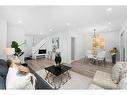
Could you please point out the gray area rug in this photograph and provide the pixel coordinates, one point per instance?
(77, 81)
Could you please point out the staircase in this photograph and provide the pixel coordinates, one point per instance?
(38, 46)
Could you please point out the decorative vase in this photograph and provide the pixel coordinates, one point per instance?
(58, 60)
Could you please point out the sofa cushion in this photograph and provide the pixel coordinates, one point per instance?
(104, 80)
(3, 63)
(116, 70)
(15, 80)
(2, 83)
(3, 71)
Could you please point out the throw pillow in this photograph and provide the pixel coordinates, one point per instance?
(116, 71)
(16, 80)
(123, 83)
(123, 73)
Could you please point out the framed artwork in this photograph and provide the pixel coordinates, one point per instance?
(55, 42)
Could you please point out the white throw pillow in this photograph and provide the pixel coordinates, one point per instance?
(15, 80)
(123, 83)
(116, 70)
(123, 73)
(123, 79)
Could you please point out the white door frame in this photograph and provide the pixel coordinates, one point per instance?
(73, 50)
(125, 44)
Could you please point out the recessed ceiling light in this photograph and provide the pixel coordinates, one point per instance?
(68, 24)
(19, 21)
(50, 29)
(108, 9)
(41, 33)
(109, 23)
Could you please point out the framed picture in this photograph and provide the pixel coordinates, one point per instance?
(55, 42)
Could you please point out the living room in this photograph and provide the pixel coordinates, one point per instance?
(60, 37)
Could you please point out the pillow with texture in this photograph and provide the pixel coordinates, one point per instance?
(3, 71)
(123, 73)
(116, 70)
(2, 83)
(15, 80)
(123, 83)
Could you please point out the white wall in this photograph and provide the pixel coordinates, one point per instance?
(3, 38)
(31, 40)
(111, 40)
(83, 43)
(80, 44)
(64, 45)
(16, 33)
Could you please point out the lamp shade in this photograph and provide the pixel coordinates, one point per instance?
(9, 51)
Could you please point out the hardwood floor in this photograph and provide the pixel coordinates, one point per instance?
(79, 66)
(83, 67)
(39, 64)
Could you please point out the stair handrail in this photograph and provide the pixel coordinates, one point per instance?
(39, 48)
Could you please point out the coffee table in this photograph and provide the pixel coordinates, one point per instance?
(57, 72)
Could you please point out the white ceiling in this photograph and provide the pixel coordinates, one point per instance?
(48, 19)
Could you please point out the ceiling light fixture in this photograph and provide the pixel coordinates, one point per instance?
(19, 21)
(50, 29)
(108, 9)
(109, 23)
(68, 24)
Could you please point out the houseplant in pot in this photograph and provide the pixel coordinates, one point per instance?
(18, 51)
(114, 52)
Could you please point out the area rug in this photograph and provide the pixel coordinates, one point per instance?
(77, 81)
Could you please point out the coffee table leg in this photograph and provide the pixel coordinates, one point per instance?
(53, 82)
(61, 81)
(68, 74)
(47, 76)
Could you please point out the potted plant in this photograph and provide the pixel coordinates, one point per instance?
(114, 52)
(18, 51)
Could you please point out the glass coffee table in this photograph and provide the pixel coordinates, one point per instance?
(61, 73)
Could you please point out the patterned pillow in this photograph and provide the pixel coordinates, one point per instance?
(123, 83)
(123, 79)
(116, 70)
(123, 73)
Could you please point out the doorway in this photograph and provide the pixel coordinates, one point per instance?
(72, 48)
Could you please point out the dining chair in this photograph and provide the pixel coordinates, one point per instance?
(101, 57)
(89, 56)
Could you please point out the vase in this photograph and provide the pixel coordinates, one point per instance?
(58, 59)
